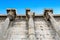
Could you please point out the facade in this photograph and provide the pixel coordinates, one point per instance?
(29, 26)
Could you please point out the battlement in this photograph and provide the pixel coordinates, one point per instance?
(30, 26)
(27, 10)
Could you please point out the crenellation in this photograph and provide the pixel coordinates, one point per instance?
(30, 26)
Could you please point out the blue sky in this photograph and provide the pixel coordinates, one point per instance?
(36, 6)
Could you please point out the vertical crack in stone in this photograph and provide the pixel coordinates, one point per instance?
(55, 24)
(31, 27)
(5, 25)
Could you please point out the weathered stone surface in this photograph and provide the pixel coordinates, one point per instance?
(43, 30)
(36, 28)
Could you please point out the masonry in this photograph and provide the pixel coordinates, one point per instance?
(30, 26)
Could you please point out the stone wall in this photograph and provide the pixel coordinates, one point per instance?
(18, 29)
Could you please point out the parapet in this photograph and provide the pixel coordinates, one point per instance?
(46, 13)
(11, 13)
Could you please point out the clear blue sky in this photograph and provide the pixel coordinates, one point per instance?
(36, 6)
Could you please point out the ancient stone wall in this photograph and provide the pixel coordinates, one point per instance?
(39, 29)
